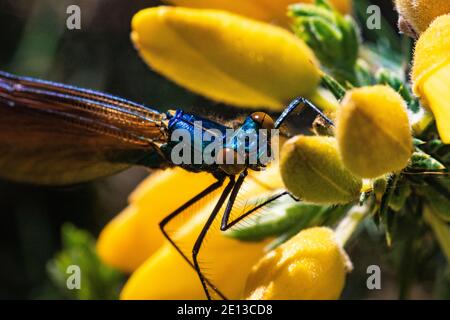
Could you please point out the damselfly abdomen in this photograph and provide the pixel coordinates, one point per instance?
(56, 134)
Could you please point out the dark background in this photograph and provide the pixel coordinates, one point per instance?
(34, 41)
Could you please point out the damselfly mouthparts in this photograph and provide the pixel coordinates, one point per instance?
(56, 134)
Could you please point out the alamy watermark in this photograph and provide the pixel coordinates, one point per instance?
(374, 280)
(373, 21)
(73, 281)
(73, 21)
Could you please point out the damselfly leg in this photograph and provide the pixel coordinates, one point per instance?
(201, 237)
(225, 225)
(209, 190)
(296, 103)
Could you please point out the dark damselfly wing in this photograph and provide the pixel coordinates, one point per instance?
(55, 134)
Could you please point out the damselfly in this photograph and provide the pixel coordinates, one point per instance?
(56, 134)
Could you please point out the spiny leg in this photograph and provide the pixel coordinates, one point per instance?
(216, 185)
(233, 196)
(201, 237)
(226, 216)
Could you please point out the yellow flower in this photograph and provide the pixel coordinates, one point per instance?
(165, 275)
(418, 14)
(226, 57)
(131, 237)
(431, 73)
(311, 265)
(373, 131)
(272, 11)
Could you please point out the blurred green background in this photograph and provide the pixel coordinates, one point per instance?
(34, 41)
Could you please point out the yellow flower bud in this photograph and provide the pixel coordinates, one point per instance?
(166, 275)
(373, 131)
(431, 73)
(418, 14)
(226, 57)
(310, 266)
(265, 10)
(312, 170)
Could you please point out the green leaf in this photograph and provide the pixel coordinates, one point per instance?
(328, 217)
(435, 145)
(98, 281)
(335, 87)
(439, 204)
(333, 38)
(400, 196)
(324, 4)
(277, 220)
(388, 77)
(384, 214)
(364, 76)
(421, 160)
(418, 142)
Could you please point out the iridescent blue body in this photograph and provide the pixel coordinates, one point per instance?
(198, 127)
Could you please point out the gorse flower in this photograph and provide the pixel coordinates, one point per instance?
(431, 73)
(226, 57)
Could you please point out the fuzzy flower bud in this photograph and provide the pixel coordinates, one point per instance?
(312, 170)
(310, 266)
(373, 131)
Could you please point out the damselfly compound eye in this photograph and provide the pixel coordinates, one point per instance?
(230, 161)
(263, 119)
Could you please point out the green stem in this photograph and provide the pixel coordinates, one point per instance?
(350, 223)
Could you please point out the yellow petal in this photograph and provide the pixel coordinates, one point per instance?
(131, 237)
(373, 131)
(431, 75)
(437, 90)
(310, 266)
(226, 57)
(165, 275)
(272, 11)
